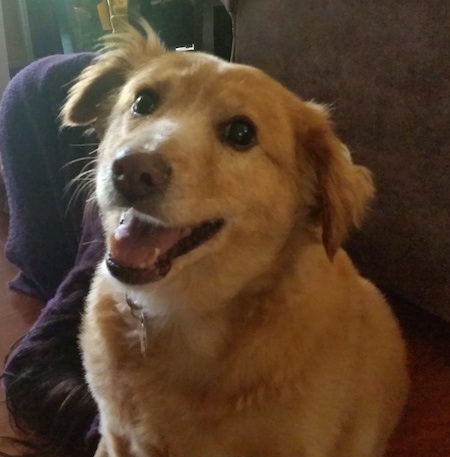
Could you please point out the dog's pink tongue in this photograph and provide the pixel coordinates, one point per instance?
(137, 244)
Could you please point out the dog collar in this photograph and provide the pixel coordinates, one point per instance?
(138, 313)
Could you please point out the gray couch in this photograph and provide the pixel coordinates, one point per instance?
(385, 69)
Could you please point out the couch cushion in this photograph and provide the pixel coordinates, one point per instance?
(384, 67)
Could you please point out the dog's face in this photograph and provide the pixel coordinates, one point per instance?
(206, 166)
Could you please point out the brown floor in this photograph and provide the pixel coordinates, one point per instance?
(425, 429)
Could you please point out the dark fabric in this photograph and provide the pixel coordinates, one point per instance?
(39, 161)
(384, 68)
(43, 377)
(56, 249)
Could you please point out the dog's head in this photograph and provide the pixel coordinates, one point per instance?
(208, 164)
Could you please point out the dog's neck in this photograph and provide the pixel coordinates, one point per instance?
(205, 317)
(162, 317)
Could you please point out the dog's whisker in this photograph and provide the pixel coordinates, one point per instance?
(76, 161)
(90, 205)
(82, 184)
(79, 185)
(88, 243)
(85, 176)
(83, 188)
(85, 173)
(88, 170)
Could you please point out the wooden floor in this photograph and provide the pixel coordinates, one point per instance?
(425, 429)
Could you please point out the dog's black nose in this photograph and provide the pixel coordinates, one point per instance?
(137, 175)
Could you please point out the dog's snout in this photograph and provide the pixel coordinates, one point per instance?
(138, 175)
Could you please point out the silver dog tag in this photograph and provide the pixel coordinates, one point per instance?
(137, 312)
(143, 334)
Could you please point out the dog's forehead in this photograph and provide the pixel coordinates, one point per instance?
(240, 88)
(201, 67)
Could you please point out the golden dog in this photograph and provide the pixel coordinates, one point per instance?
(225, 319)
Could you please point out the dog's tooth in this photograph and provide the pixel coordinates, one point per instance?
(187, 232)
(155, 255)
(112, 243)
(152, 259)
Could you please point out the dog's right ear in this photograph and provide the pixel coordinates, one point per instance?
(122, 55)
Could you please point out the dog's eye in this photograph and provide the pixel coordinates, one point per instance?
(145, 103)
(240, 133)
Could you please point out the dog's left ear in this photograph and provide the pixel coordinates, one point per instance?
(344, 190)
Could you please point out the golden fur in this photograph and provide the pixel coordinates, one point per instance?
(265, 340)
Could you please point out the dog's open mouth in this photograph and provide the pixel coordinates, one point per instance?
(141, 251)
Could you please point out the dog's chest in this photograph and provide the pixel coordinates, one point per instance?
(169, 397)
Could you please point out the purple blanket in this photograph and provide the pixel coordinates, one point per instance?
(56, 250)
